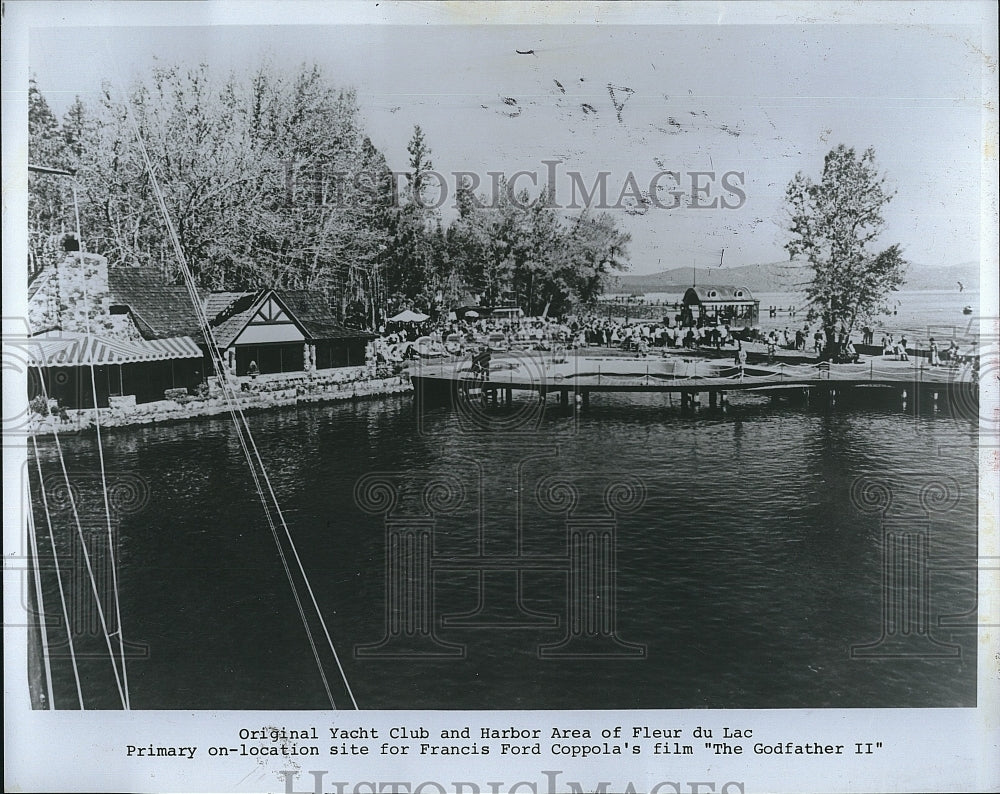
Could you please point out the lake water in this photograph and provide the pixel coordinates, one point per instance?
(745, 571)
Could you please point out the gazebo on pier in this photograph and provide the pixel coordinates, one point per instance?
(720, 304)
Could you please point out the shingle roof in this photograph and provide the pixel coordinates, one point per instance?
(159, 309)
(236, 310)
(163, 310)
(216, 303)
(313, 310)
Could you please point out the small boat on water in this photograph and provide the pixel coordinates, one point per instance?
(966, 310)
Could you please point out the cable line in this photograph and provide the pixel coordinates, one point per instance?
(245, 437)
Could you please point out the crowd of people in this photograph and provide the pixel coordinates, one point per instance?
(461, 336)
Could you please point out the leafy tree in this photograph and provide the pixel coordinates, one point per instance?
(50, 200)
(594, 249)
(834, 225)
(522, 247)
(268, 180)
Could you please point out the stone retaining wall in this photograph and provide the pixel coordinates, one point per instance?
(253, 399)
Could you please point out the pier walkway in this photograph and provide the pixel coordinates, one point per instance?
(577, 377)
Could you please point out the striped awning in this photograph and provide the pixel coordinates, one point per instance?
(83, 351)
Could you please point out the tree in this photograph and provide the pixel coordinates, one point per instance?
(411, 249)
(267, 180)
(835, 224)
(50, 199)
(594, 249)
(523, 248)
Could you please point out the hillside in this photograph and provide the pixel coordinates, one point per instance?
(789, 277)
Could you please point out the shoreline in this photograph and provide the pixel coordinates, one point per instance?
(171, 411)
(280, 392)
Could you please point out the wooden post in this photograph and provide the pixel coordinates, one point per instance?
(712, 399)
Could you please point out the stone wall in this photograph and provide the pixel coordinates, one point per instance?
(122, 413)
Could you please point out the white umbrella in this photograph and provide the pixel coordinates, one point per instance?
(408, 316)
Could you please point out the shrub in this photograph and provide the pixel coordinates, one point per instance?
(39, 405)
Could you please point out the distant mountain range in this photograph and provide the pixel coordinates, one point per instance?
(789, 277)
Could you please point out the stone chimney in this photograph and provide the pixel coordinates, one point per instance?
(82, 293)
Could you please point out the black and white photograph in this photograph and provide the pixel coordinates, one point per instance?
(456, 393)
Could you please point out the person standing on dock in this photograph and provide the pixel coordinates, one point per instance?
(741, 357)
(934, 353)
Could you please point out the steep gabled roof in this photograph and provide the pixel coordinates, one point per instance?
(238, 308)
(159, 309)
(230, 312)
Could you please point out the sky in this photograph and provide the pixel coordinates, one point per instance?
(760, 100)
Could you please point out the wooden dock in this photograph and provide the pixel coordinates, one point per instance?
(575, 378)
